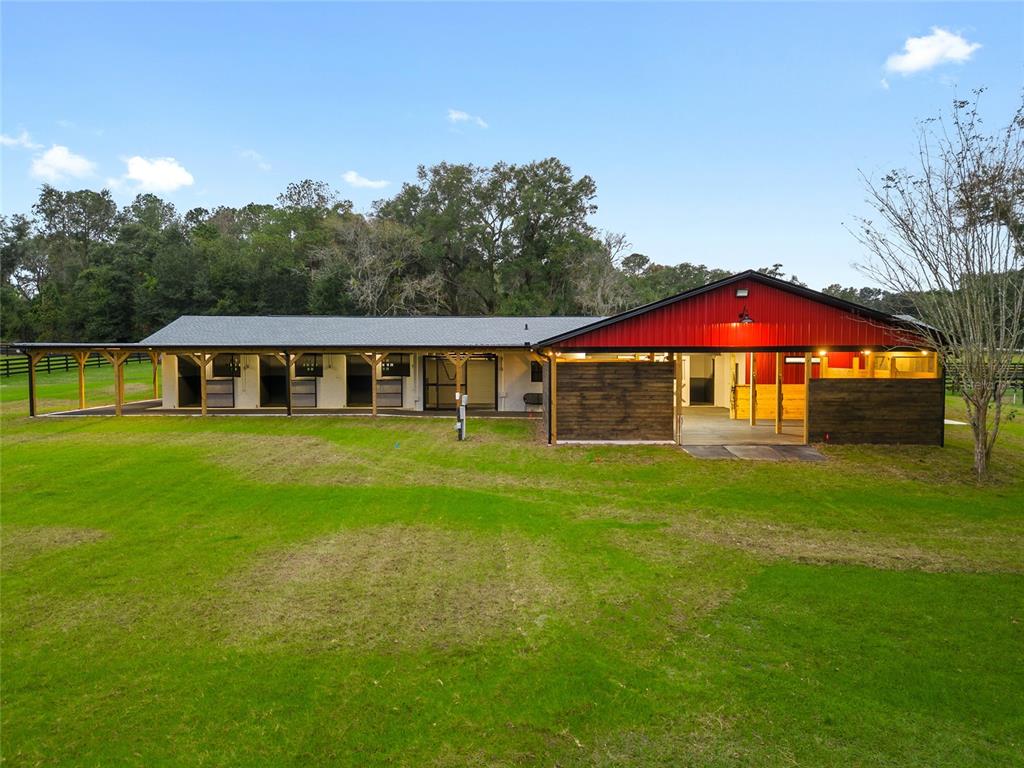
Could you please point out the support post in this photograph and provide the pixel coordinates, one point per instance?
(778, 393)
(33, 403)
(288, 382)
(154, 358)
(753, 389)
(554, 399)
(116, 359)
(81, 358)
(678, 359)
(201, 359)
(119, 370)
(373, 359)
(807, 397)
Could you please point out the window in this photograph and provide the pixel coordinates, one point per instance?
(536, 371)
(227, 366)
(395, 365)
(309, 365)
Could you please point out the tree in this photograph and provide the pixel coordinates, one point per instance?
(949, 238)
(501, 238)
(601, 287)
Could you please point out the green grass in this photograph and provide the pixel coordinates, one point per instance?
(343, 591)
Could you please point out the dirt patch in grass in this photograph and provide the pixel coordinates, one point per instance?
(19, 543)
(823, 547)
(393, 586)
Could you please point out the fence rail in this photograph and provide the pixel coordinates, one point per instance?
(18, 364)
(1015, 376)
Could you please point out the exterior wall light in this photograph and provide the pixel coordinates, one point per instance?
(744, 315)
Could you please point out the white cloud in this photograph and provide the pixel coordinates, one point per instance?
(21, 140)
(256, 157)
(59, 162)
(157, 174)
(458, 116)
(354, 179)
(924, 53)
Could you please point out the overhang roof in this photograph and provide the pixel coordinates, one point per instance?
(302, 332)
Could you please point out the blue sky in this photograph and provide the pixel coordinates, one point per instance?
(729, 134)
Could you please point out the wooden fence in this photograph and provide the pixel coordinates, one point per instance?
(1015, 375)
(18, 364)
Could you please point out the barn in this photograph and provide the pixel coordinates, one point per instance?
(748, 359)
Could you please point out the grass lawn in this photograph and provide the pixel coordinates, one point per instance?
(345, 591)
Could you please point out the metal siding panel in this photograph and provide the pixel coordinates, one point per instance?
(711, 320)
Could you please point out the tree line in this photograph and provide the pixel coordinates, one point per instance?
(461, 240)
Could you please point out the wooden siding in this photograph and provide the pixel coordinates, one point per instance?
(220, 393)
(908, 411)
(792, 401)
(615, 401)
(304, 393)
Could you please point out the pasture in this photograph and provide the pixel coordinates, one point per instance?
(349, 591)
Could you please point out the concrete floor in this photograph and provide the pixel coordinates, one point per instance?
(707, 425)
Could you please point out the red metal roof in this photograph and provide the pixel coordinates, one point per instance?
(785, 317)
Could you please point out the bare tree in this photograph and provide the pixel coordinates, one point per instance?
(382, 257)
(949, 237)
(600, 286)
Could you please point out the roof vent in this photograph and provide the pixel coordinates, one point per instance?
(526, 326)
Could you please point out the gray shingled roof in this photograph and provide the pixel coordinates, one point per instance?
(366, 332)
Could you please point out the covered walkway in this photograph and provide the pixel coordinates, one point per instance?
(155, 408)
(707, 425)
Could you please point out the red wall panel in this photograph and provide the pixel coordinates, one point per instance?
(781, 320)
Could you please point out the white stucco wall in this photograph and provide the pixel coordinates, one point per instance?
(723, 376)
(331, 388)
(514, 381)
(247, 385)
(169, 381)
(412, 386)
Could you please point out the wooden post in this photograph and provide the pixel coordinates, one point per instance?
(154, 358)
(119, 373)
(458, 376)
(81, 358)
(807, 397)
(373, 359)
(778, 393)
(753, 389)
(373, 385)
(117, 359)
(679, 399)
(33, 403)
(733, 383)
(200, 359)
(288, 382)
(554, 399)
